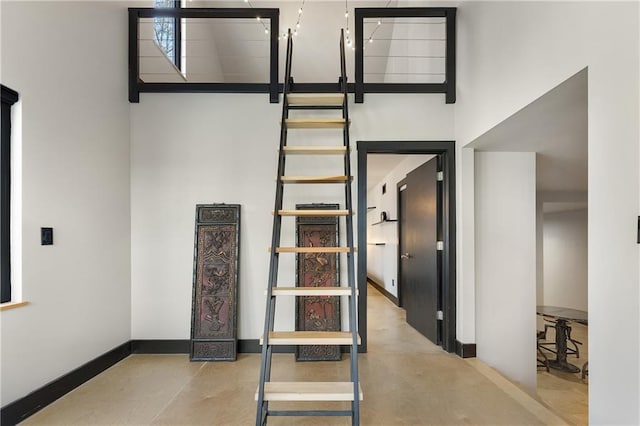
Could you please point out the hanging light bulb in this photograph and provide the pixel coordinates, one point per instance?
(298, 25)
(266, 31)
(379, 21)
(300, 11)
(370, 40)
(258, 18)
(347, 30)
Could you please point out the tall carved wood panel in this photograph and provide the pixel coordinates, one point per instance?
(317, 313)
(215, 283)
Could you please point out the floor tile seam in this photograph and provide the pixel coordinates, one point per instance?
(178, 392)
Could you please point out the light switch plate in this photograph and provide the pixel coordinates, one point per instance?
(46, 236)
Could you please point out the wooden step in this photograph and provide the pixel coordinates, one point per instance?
(309, 391)
(313, 249)
(315, 179)
(312, 291)
(314, 150)
(310, 338)
(330, 213)
(312, 99)
(314, 123)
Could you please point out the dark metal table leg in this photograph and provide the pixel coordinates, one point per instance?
(560, 363)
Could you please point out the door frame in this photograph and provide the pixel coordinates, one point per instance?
(446, 149)
(399, 185)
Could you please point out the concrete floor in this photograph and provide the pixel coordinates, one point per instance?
(406, 380)
(566, 393)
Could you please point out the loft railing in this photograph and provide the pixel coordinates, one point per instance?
(405, 50)
(397, 50)
(222, 50)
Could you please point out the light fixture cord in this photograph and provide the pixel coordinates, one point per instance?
(346, 17)
(370, 38)
(266, 29)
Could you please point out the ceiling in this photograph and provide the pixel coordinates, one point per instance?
(555, 127)
(380, 165)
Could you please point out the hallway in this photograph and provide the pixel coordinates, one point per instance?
(405, 379)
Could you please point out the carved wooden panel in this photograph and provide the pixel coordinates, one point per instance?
(215, 283)
(318, 313)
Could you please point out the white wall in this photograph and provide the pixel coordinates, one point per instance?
(382, 261)
(68, 62)
(203, 62)
(190, 148)
(204, 153)
(510, 53)
(565, 259)
(465, 247)
(539, 256)
(506, 263)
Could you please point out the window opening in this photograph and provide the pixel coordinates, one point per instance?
(9, 97)
(167, 31)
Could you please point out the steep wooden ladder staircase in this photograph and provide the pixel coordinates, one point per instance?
(311, 391)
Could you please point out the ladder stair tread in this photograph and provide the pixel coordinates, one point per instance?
(310, 338)
(315, 99)
(315, 179)
(314, 123)
(314, 150)
(309, 391)
(314, 212)
(314, 249)
(312, 291)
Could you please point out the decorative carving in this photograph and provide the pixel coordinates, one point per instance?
(215, 283)
(214, 350)
(318, 313)
(217, 215)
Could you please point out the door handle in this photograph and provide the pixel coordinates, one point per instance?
(405, 256)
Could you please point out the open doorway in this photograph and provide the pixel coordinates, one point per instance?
(532, 227)
(444, 154)
(403, 227)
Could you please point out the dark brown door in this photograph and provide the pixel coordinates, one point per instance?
(419, 256)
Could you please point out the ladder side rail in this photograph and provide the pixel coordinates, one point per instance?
(263, 406)
(343, 64)
(353, 318)
(265, 364)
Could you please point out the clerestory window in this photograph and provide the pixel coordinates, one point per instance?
(167, 31)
